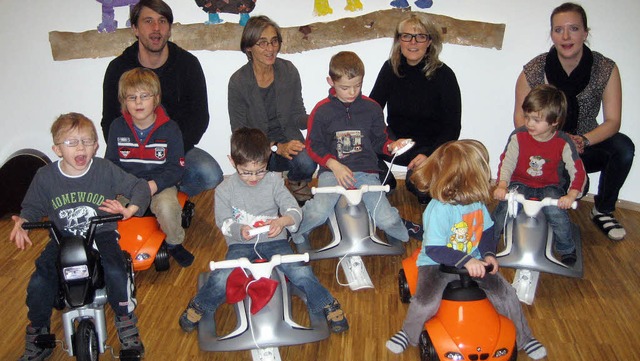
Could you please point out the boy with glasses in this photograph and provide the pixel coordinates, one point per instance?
(251, 198)
(70, 192)
(147, 144)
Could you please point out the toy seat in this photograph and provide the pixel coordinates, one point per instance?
(353, 235)
(528, 244)
(272, 326)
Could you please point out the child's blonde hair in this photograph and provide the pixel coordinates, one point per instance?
(345, 64)
(457, 172)
(70, 121)
(138, 79)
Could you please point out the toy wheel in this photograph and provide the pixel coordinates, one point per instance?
(188, 211)
(59, 303)
(403, 287)
(86, 342)
(128, 262)
(514, 353)
(427, 351)
(161, 263)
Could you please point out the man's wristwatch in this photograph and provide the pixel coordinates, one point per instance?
(274, 147)
(585, 141)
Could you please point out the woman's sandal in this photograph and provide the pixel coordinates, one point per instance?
(609, 226)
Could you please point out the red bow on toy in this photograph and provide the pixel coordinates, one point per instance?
(239, 285)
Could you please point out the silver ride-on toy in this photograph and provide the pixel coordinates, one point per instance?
(354, 234)
(528, 245)
(83, 293)
(271, 326)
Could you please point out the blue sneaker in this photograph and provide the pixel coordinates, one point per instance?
(335, 317)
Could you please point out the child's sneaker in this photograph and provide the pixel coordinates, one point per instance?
(335, 317)
(190, 317)
(180, 254)
(128, 333)
(31, 351)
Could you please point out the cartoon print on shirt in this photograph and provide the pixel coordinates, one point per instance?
(78, 219)
(349, 141)
(535, 165)
(460, 240)
(244, 218)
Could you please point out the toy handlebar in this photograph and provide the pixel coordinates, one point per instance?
(259, 269)
(34, 225)
(353, 196)
(531, 207)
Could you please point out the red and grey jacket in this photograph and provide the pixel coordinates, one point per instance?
(159, 157)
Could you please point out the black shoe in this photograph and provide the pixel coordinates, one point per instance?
(569, 259)
(180, 254)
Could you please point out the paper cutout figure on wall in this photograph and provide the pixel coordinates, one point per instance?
(215, 7)
(109, 23)
(401, 4)
(321, 7)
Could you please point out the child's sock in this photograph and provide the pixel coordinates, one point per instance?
(398, 342)
(535, 349)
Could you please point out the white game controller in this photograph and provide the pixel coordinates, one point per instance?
(258, 230)
(408, 144)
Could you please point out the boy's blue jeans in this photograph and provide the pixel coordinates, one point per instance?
(301, 167)
(43, 286)
(213, 293)
(201, 172)
(317, 210)
(556, 217)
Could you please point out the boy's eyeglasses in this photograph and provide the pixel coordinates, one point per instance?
(264, 43)
(420, 38)
(143, 97)
(71, 143)
(245, 174)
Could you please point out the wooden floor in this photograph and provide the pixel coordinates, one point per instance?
(594, 318)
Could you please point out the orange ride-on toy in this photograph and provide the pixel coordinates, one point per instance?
(467, 326)
(143, 239)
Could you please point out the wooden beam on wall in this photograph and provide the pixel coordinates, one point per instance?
(226, 36)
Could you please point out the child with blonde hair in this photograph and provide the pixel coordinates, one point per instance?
(457, 177)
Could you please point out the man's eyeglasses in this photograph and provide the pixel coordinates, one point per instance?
(143, 97)
(264, 43)
(420, 38)
(245, 174)
(72, 143)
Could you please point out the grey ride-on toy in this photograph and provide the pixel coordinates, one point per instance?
(269, 328)
(83, 293)
(354, 234)
(528, 245)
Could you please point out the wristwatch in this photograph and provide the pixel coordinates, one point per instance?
(585, 141)
(274, 147)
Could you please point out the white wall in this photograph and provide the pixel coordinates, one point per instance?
(34, 89)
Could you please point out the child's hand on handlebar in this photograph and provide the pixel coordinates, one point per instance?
(18, 235)
(565, 201)
(114, 207)
(490, 260)
(277, 225)
(500, 193)
(244, 232)
(475, 268)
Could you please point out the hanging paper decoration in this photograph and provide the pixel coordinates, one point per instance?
(322, 7)
(215, 7)
(109, 23)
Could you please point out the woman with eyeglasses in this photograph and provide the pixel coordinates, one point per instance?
(590, 81)
(421, 94)
(266, 93)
